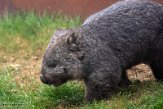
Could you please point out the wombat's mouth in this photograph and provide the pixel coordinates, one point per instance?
(47, 79)
(57, 83)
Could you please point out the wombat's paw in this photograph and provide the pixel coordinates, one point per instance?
(91, 98)
(125, 83)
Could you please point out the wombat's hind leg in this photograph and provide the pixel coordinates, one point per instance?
(157, 63)
(125, 82)
(157, 69)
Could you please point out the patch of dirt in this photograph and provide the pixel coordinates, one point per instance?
(141, 72)
(27, 70)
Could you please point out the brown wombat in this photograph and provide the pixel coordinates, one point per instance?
(107, 44)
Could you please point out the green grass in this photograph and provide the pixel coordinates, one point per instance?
(23, 39)
(9, 91)
(34, 29)
(45, 97)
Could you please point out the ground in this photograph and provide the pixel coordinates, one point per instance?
(141, 72)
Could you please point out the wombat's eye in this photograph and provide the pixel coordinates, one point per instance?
(67, 58)
(52, 65)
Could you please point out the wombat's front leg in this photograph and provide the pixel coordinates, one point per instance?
(100, 87)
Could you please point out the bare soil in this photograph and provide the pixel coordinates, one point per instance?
(141, 72)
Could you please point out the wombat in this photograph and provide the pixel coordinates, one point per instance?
(108, 43)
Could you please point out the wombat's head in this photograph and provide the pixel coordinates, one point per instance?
(62, 59)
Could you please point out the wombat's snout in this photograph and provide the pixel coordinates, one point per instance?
(44, 79)
(50, 79)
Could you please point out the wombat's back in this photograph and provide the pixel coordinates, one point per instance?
(130, 28)
(123, 7)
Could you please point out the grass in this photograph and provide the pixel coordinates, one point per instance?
(23, 39)
(45, 97)
(35, 30)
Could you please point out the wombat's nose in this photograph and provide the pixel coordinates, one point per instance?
(44, 80)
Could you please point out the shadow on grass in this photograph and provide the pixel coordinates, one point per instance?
(147, 86)
(139, 95)
(72, 94)
(143, 95)
(67, 95)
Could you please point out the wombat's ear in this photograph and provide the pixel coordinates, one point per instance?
(72, 42)
(60, 32)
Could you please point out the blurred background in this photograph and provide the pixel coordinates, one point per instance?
(81, 8)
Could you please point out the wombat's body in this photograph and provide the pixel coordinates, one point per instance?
(105, 46)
